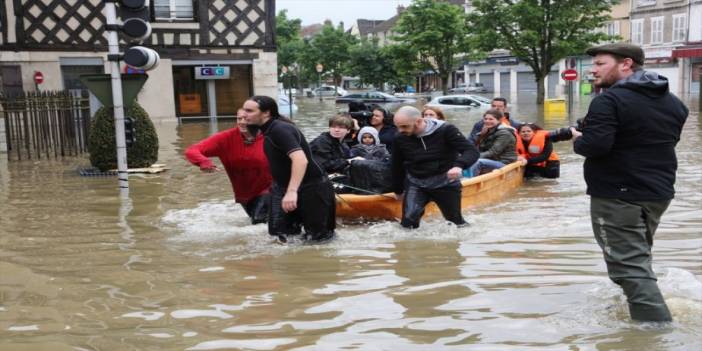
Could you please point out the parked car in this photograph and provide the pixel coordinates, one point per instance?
(459, 101)
(470, 88)
(374, 97)
(329, 90)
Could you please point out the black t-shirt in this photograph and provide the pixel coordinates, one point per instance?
(281, 139)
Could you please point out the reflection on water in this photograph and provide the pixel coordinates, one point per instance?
(179, 267)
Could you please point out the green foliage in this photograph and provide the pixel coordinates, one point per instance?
(287, 30)
(370, 64)
(289, 42)
(437, 31)
(307, 60)
(540, 33)
(101, 141)
(332, 47)
(405, 65)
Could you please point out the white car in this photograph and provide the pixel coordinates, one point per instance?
(329, 90)
(460, 101)
(476, 87)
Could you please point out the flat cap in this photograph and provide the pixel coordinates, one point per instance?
(634, 52)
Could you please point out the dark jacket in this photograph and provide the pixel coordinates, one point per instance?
(330, 153)
(629, 138)
(500, 144)
(371, 152)
(376, 152)
(387, 135)
(441, 147)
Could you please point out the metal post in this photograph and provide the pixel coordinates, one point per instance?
(319, 85)
(113, 44)
(212, 104)
(290, 98)
(570, 99)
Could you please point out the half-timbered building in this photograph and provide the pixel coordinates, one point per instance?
(232, 41)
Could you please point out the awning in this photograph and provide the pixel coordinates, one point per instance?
(687, 52)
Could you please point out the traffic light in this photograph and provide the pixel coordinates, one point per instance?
(129, 131)
(140, 57)
(136, 26)
(135, 19)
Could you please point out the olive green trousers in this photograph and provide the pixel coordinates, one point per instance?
(624, 230)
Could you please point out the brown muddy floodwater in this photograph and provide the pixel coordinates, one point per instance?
(178, 267)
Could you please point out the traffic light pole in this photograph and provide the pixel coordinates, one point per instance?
(113, 44)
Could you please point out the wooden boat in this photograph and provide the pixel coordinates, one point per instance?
(484, 189)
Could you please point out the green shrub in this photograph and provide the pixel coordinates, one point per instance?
(101, 140)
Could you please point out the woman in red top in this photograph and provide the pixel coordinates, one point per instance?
(242, 156)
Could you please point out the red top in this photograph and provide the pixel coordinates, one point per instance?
(246, 165)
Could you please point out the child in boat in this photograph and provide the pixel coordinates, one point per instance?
(370, 166)
(369, 146)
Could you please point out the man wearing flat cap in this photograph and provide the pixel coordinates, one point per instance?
(628, 140)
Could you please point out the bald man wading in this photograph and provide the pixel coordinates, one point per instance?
(428, 159)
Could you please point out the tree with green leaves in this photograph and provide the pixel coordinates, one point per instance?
(288, 38)
(540, 32)
(437, 31)
(405, 64)
(332, 45)
(370, 64)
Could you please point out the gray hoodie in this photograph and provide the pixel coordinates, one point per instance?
(646, 82)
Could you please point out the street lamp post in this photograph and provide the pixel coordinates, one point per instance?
(319, 68)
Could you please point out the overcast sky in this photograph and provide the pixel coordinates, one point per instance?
(316, 11)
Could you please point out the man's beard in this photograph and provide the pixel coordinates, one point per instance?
(607, 81)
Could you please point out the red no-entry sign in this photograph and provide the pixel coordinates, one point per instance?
(569, 74)
(38, 77)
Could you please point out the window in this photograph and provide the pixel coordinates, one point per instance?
(173, 9)
(642, 3)
(637, 31)
(612, 28)
(679, 27)
(657, 30)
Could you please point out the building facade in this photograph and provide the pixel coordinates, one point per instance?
(231, 41)
(659, 27)
(690, 54)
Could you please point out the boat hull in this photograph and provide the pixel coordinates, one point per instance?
(485, 189)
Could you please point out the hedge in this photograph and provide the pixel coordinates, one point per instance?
(101, 140)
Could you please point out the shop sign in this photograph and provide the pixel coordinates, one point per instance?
(211, 72)
(504, 61)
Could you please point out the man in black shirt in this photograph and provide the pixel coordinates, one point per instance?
(428, 159)
(301, 195)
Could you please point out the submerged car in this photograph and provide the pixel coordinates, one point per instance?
(329, 90)
(460, 101)
(476, 87)
(374, 97)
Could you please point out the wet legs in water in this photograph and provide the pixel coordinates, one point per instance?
(624, 230)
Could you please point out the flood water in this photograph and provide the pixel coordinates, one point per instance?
(177, 266)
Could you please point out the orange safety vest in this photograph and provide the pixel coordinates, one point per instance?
(535, 147)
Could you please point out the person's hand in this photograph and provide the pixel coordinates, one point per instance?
(484, 130)
(210, 169)
(455, 173)
(290, 201)
(522, 160)
(576, 134)
(399, 196)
